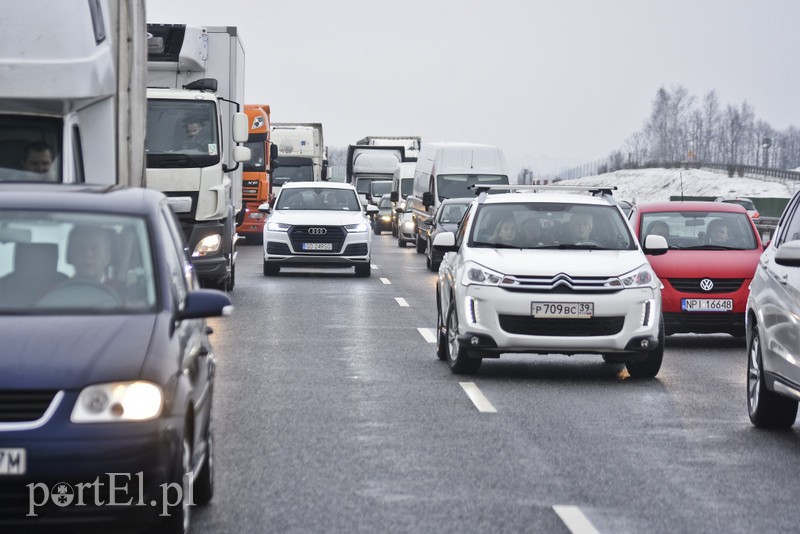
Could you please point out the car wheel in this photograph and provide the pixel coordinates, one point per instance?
(394, 231)
(204, 482)
(457, 357)
(420, 244)
(363, 269)
(230, 281)
(766, 408)
(649, 367)
(377, 229)
(401, 243)
(441, 332)
(179, 516)
(270, 269)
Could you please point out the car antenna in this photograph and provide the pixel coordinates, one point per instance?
(681, 175)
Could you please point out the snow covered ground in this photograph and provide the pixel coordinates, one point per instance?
(651, 185)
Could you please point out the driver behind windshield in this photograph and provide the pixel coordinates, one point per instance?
(90, 252)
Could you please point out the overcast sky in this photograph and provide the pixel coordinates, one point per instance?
(554, 83)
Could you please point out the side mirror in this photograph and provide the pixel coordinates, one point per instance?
(788, 254)
(372, 209)
(655, 245)
(273, 151)
(240, 128)
(427, 199)
(241, 153)
(205, 303)
(393, 196)
(445, 242)
(265, 207)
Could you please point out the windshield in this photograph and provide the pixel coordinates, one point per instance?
(74, 263)
(181, 133)
(318, 198)
(550, 225)
(406, 187)
(29, 149)
(380, 188)
(292, 173)
(386, 202)
(456, 185)
(257, 161)
(700, 230)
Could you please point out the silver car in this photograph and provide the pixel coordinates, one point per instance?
(773, 332)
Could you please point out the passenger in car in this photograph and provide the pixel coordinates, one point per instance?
(658, 228)
(505, 233)
(717, 233)
(580, 227)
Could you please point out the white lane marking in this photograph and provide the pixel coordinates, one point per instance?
(428, 334)
(386, 281)
(402, 302)
(375, 266)
(477, 397)
(573, 518)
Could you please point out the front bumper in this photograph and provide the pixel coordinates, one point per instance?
(502, 322)
(678, 320)
(354, 249)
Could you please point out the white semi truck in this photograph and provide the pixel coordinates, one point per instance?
(195, 94)
(371, 164)
(302, 155)
(72, 98)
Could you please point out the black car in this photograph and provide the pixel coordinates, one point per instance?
(447, 217)
(106, 371)
(383, 219)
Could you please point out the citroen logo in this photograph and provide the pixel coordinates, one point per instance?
(706, 284)
(317, 231)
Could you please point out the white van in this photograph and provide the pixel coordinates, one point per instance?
(447, 170)
(402, 186)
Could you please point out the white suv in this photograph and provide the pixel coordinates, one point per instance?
(317, 223)
(548, 273)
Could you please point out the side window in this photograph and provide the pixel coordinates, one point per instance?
(461, 232)
(180, 272)
(790, 222)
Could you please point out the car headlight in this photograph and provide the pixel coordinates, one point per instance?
(208, 245)
(118, 401)
(356, 228)
(277, 227)
(480, 275)
(408, 224)
(386, 217)
(642, 276)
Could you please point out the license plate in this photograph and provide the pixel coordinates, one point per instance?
(707, 305)
(562, 310)
(317, 246)
(12, 461)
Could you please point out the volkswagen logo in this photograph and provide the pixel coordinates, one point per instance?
(317, 231)
(706, 284)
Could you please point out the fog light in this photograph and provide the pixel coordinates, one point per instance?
(645, 343)
(474, 341)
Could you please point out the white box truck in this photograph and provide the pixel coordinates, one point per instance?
(448, 170)
(195, 79)
(411, 143)
(402, 187)
(368, 165)
(72, 98)
(302, 155)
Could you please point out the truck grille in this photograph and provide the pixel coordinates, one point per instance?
(24, 405)
(529, 326)
(317, 234)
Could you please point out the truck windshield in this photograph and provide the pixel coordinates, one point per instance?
(181, 133)
(406, 187)
(380, 188)
(257, 161)
(30, 149)
(292, 173)
(456, 185)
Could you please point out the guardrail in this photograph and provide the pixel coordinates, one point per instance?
(766, 227)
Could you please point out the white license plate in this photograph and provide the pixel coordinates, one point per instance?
(562, 310)
(707, 305)
(12, 461)
(317, 246)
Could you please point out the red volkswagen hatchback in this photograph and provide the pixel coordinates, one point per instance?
(713, 253)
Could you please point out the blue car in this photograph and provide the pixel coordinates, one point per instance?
(106, 370)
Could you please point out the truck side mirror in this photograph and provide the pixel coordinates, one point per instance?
(241, 153)
(273, 151)
(393, 196)
(427, 199)
(240, 128)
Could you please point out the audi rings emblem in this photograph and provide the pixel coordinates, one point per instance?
(317, 231)
(706, 284)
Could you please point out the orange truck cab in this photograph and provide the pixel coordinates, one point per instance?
(255, 178)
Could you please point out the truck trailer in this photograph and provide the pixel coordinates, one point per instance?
(195, 79)
(301, 153)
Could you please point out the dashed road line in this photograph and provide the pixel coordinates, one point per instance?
(428, 333)
(402, 302)
(477, 397)
(573, 518)
(386, 281)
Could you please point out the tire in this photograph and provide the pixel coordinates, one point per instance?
(457, 358)
(394, 230)
(649, 367)
(766, 408)
(180, 516)
(401, 243)
(376, 230)
(441, 333)
(363, 270)
(270, 269)
(230, 280)
(203, 490)
(420, 244)
(429, 263)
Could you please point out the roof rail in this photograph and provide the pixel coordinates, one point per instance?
(605, 192)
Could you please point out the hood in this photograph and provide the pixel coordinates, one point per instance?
(550, 262)
(706, 263)
(317, 217)
(69, 352)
